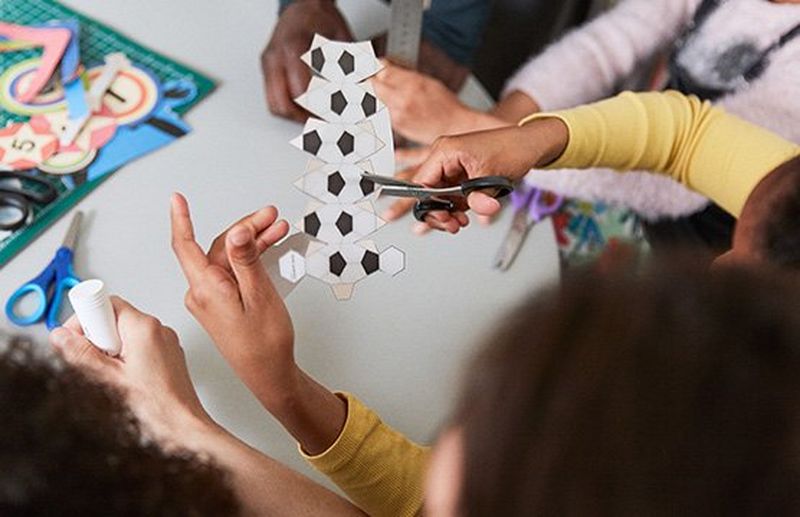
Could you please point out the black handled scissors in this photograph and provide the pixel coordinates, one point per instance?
(431, 199)
(18, 192)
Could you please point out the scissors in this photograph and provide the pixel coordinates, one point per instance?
(51, 284)
(531, 205)
(18, 192)
(431, 199)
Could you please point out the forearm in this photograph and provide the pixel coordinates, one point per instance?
(310, 412)
(702, 147)
(513, 107)
(262, 485)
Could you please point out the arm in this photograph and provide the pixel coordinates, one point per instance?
(285, 75)
(152, 375)
(704, 148)
(590, 62)
(697, 145)
(231, 295)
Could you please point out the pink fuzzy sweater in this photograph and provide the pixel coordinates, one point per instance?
(592, 62)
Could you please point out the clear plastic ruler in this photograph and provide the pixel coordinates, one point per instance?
(405, 31)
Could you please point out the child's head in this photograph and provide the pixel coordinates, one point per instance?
(671, 392)
(768, 229)
(70, 446)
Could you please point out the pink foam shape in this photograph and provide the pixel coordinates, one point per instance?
(54, 40)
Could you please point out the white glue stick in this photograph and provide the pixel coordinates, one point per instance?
(93, 308)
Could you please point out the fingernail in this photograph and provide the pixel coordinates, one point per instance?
(59, 337)
(239, 236)
(387, 215)
(420, 228)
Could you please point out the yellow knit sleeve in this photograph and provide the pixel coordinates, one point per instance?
(698, 145)
(378, 468)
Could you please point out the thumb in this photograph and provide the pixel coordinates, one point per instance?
(243, 256)
(81, 353)
(483, 204)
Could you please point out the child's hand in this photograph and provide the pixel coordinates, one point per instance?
(510, 152)
(151, 372)
(232, 297)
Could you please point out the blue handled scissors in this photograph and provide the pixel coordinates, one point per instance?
(531, 206)
(51, 284)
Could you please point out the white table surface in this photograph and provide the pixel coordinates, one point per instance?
(400, 343)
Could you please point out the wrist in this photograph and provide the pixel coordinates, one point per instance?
(548, 139)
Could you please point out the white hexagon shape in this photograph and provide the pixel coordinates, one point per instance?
(336, 183)
(392, 261)
(340, 223)
(325, 58)
(338, 142)
(338, 264)
(292, 266)
(340, 102)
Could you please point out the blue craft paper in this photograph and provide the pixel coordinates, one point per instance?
(76, 99)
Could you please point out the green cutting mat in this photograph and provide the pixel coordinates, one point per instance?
(96, 41)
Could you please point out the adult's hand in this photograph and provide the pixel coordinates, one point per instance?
(423, 108)
(285, 75)
(510, 152)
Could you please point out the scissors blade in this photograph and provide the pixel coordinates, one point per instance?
(71, 238)
(514, 239)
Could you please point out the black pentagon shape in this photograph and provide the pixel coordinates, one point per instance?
(346, 143)
(347, 62)
(336, 264)
(311, 224)
(369, 104)
(367, 186)
(335, 183)
(312, 142)
(344, 223)
(370, 262)
(338, 102)
(317, 59)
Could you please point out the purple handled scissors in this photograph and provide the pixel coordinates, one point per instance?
(531, 205)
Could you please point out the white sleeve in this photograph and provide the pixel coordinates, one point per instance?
(773, 100)
(588, 63)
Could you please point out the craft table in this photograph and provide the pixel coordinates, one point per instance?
(400, 343)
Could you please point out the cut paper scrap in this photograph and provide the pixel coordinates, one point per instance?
(18, 78)
(159, 130)
(95, 133)
(68, 162)
(53, 40)
(340, 102)
(132, 96)
(339, 61)
(114, 63)
(24, 145)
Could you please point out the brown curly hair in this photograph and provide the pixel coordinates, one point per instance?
(71, 446)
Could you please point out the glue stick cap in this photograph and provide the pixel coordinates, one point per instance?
(94, 311)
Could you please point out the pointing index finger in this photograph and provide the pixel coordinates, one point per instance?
(190, 256)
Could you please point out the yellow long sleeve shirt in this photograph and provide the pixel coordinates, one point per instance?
(702, 147)
(698, 145)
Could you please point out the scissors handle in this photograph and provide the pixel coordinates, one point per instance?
(501, 186)
(498, 185)
(59, 276)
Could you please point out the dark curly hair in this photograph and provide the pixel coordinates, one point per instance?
(670, 392)
(71, 446)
